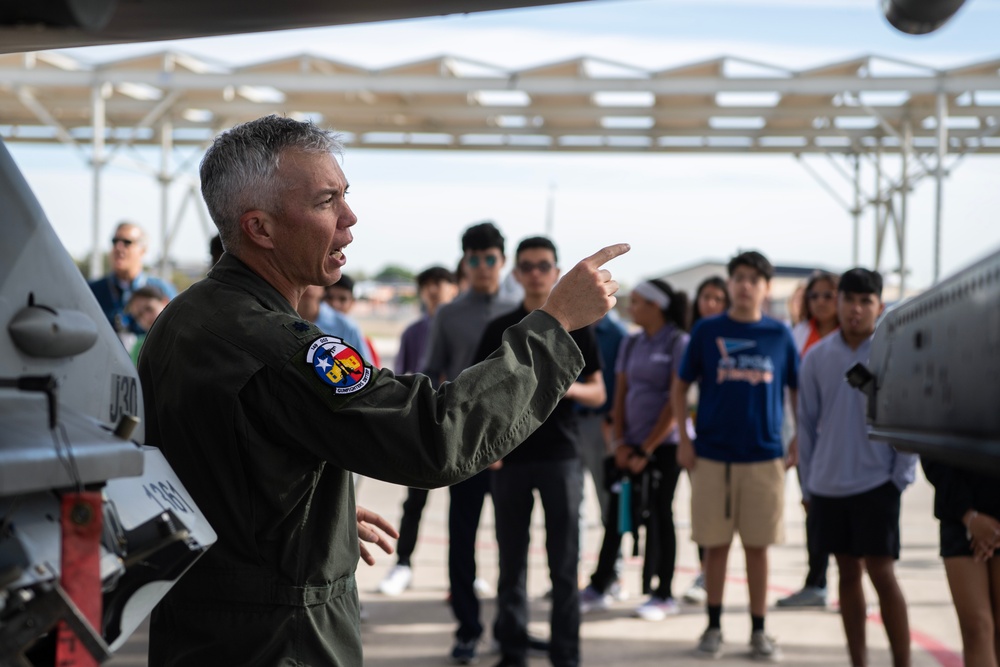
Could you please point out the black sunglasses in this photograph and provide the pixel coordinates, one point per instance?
(541, 267)
(126, 242)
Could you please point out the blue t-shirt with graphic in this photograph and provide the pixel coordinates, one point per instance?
(742, 369)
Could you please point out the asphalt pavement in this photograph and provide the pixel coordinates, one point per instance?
(416, 628)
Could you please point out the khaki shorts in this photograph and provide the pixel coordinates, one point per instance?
(744, 497)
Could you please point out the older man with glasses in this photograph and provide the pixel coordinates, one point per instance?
(113, 291)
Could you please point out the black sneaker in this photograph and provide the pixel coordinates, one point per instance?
(465, 652)
(538, 648)
(509, 661)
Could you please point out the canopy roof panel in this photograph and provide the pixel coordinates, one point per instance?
(725, 104)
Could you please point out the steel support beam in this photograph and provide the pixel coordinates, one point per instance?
(856, 211)
(166, 180)
(879, 208)
(939, 176)
(97, 97)
(904, 194)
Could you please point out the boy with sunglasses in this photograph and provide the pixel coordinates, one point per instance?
(455, 334)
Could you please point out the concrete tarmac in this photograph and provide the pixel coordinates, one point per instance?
(416, 628)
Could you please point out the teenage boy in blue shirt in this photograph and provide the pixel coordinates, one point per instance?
(743, 362)
(850, 485)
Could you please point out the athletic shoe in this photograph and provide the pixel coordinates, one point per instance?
(465, 652)
(592, 599)
(810, 596)
(696, 593)
(482, 589)
(763, 648)
(656, 609)
(710, 644)
(508, 661)
(617, 591)
(537, 647)
(397, 581)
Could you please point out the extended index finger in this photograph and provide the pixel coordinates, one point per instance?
(606, 254)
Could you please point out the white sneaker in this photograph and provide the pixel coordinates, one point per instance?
(397, 581)
(710, 644)
(482, 589)
(657, 609)
(617, 591)
(696, 593)
(763, 648)
(592, 599)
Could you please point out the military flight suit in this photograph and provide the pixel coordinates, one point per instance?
(263, 442)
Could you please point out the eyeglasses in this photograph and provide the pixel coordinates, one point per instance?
(475, 260)
(541, 267)
(125, 242)
(826, 296)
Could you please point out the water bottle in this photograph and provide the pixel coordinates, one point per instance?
(625, 506)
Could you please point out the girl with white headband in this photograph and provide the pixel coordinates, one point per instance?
(645, 433)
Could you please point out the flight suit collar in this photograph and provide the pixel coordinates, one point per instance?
(232, 271)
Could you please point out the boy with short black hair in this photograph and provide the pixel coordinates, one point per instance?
(548, 462)
(851, 485)
(455, 334)
(435, 287)
(743, 362)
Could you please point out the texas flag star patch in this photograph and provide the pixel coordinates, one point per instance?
(338, 365)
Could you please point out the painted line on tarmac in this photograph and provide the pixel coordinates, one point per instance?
(941, 653)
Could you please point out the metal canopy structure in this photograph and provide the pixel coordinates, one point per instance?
(851, 112)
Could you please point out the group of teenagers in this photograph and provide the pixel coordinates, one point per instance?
(265, 418)
(706, 388)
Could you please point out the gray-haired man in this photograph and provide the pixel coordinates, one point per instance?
(264, 417)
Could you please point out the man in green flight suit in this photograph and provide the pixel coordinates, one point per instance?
(264, 417)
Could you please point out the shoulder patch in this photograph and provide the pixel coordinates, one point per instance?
(338, 364)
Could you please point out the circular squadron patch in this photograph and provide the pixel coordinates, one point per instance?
(338, 364)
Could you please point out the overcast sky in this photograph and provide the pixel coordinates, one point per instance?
(674, 209)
